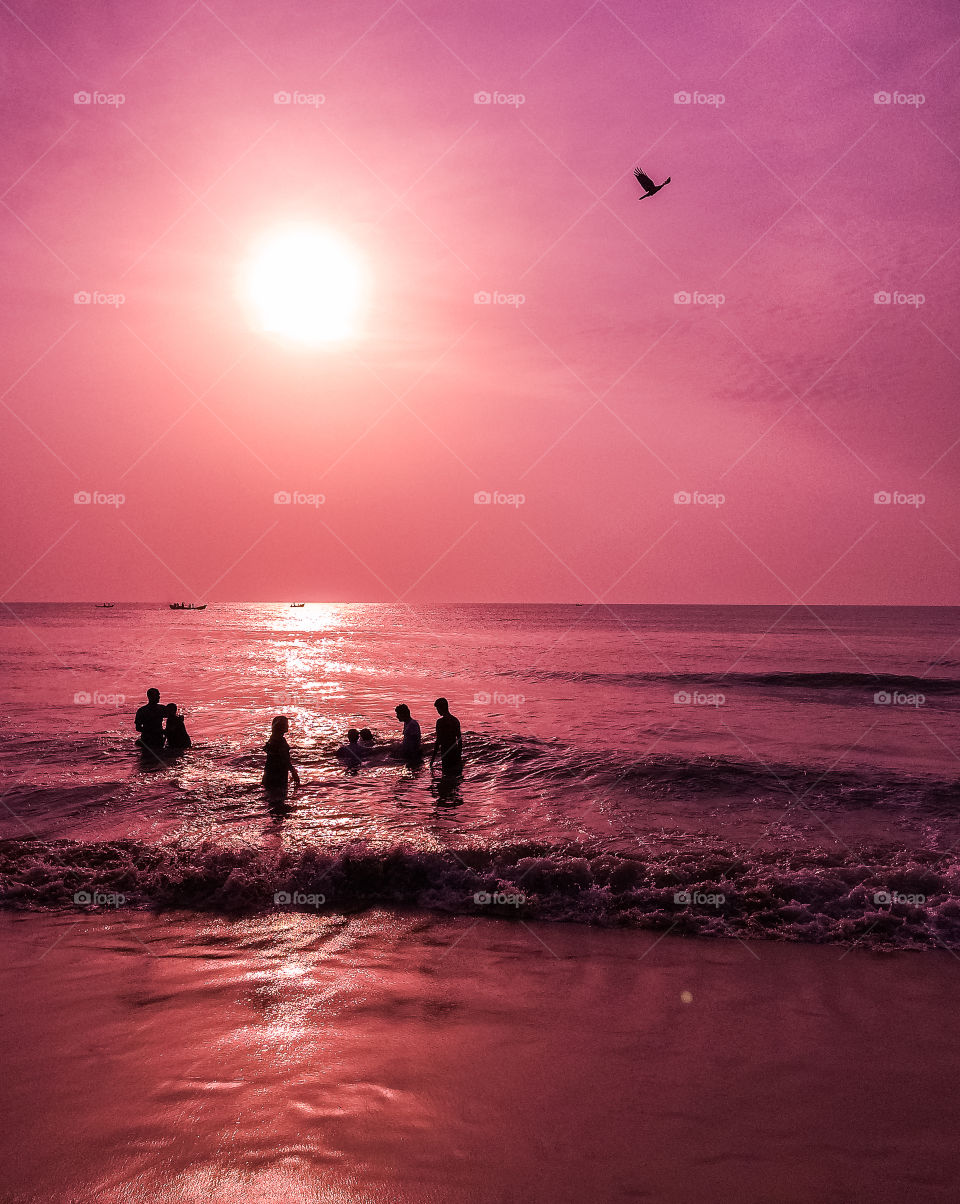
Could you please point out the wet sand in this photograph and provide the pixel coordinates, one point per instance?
(409, 1058)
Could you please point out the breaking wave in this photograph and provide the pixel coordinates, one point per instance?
(876, 898)
(864, 682)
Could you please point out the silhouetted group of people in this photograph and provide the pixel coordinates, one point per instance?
(161, 728)
(361, 747)
(448, 744)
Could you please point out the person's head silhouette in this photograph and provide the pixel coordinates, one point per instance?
(279, 725)
(353, 735)
(402, 712)
(153, 695)
(442, 706)
(366, 735)
(171, 709)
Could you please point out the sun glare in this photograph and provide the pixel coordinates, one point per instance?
(304, 285)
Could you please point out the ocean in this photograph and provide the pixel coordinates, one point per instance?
(755, 772)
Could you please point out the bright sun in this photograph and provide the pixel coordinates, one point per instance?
(304, 284)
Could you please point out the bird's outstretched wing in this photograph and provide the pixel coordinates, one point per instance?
(645, 182)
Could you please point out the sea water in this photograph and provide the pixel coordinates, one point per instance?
(774, 772)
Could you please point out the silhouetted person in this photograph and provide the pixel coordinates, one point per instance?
(409, 746)
(449, 742)
(350, 752)
(367, 745)
(176, 729)
(149, 722)
(278, 765)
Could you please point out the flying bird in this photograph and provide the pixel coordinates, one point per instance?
(648, 186)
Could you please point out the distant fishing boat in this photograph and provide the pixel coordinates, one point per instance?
(296, 604)
(188, 606)
(104, 605)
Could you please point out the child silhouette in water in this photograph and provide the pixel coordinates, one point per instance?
(350, 752)
(175, 729)
(278, 764)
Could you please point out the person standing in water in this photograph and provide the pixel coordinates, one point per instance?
(279, 765)
(409, 746)
(176, 729)
(449, 741)
(149, 722)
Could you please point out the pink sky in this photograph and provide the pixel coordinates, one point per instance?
(597, 399)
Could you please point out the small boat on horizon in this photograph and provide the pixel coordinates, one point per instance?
(188, 606)
(104, 605)
(297, 604)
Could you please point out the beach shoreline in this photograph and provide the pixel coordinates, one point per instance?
(414, 1057)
